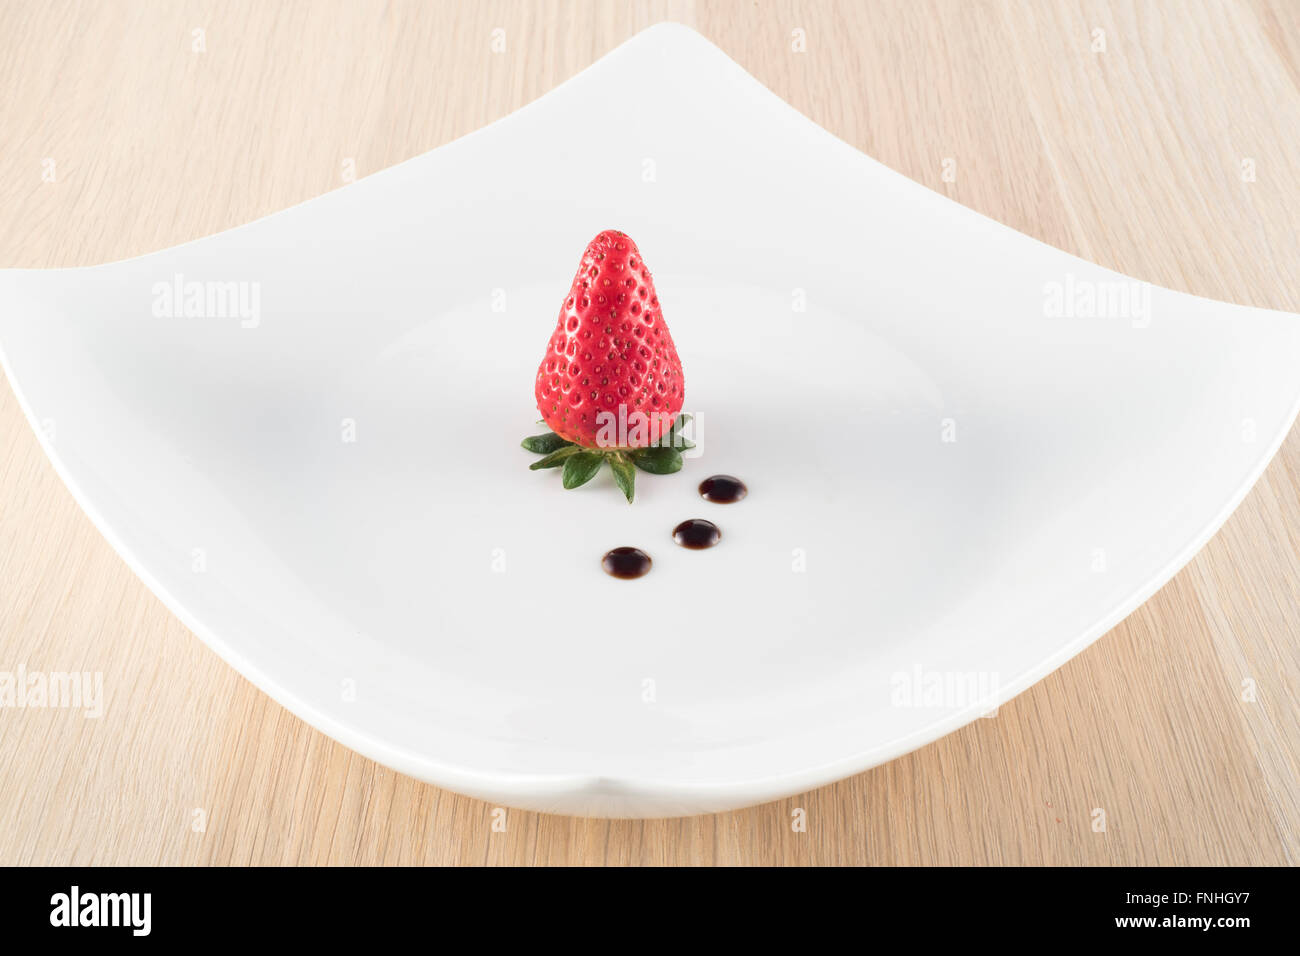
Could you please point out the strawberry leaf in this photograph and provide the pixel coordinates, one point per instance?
(544, 444)
(624, 476)
(659, 461)
(675, 439)
(580, 468)
(555, 458)
(581, 464)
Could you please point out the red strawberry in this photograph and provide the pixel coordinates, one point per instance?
(611, 352)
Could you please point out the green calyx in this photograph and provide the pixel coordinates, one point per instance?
(581, 463)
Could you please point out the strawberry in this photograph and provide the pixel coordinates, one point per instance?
(610, 385)
(610, 347)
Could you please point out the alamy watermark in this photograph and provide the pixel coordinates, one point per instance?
(224, 299)
(637, 429)
(1076, 298)
(946, 690)
(23, 689)
(75, 908)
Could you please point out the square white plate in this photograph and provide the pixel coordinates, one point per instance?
(969, 454)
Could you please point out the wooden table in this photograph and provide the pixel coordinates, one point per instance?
(123, 130)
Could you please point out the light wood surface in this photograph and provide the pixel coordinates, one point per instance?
(1132, 157)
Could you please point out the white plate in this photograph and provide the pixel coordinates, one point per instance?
(952, 488)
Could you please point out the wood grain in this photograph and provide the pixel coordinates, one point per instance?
(1132, 157)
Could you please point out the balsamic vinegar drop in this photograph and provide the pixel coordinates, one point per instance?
(722, 489)
(697, 534)
(626, 562)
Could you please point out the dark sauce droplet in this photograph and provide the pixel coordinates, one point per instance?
(722, 489)
(697, 534)
(626, 562)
